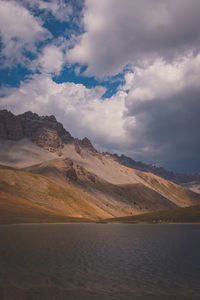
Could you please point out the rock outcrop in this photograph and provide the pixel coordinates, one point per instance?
(10, 126)
(45, 131)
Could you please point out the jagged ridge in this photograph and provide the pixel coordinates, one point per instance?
(45, 131)
(178, 178)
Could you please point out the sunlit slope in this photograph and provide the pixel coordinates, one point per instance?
(47, 193)
(16, 209)
(27, 196)
(24, 153)
(66, 188)
(136, 186)
(107, 168)
(59, 188)
(114, 199)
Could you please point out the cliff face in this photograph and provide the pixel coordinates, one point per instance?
(10, 126)
(44, 131)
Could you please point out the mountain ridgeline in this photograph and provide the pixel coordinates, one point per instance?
(44, 131)
(178, 178)
(46, 175)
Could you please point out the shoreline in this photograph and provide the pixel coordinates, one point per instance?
(102, 223)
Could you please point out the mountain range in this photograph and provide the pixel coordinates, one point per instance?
(46, 175)
(191, 181)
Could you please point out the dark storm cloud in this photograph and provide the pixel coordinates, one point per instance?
(170, 129)
(131, 32)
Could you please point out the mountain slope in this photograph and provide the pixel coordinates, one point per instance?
(106, 168)
(191, 181)
(146, 191)
(37, 195)
(47, 193)
(115, 199)
(69, 176)
(16, 209)
(22, 153)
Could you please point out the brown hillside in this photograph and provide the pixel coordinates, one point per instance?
(16, 209)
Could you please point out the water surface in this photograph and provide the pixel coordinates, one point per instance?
(99, 261)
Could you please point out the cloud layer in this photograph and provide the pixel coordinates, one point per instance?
(20, 32)
(154, 44)
(135, 32)
(81, 110)
(165, 104)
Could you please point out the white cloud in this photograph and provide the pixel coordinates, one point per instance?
(129, 78)
(158, 118)
(19, 32)
(51, 60)
(136, 32)
(60, 9)
(163, 103)
(162, 80)
(81, 110)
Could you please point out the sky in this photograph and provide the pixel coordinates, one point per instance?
(124, 73)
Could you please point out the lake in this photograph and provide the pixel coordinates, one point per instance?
(99, 261)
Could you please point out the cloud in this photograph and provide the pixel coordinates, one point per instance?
(50, 61)
(129, 80)
(19, 32)
(60, 9)
(119, 33)
(164, 103)
(155, 44)
(81, 110)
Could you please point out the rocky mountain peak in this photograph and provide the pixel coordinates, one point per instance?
(45, 131)
(85, 142)
(29, 115)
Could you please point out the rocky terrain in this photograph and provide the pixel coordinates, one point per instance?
(44, 131)
(58, 176)
(49, 134)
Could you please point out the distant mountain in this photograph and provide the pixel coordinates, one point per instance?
(186, 180)
(46, 174)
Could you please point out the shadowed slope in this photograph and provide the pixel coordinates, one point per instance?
(177, 215)
(22, 153)
(180, 196)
